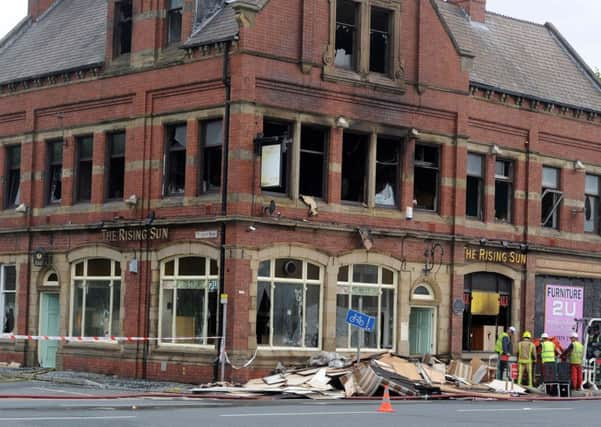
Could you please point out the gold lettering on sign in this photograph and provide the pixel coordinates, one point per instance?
(495, 255)
(126, 235)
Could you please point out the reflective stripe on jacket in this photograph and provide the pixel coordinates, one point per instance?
(547, 354)
(576, 353)
(499, 344)
(526, 351)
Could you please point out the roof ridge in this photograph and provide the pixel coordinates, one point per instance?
(525, 21)
(50, 8)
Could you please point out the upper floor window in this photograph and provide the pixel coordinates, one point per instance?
(503, 190)
(115, 166)
(346, 33)
(387, 171)
(591, 204)
(54, 151)
(8, 293)
(83, 187)
(275, 157)
(313, 164)
(354, 167)
(212, 140)
(122, 28)
(12, 189)
(175, 160)
(551, 197)
(426, 177)
(96, 298)
(474, 186)
(379, 41)
(288, 303)
(174, 21)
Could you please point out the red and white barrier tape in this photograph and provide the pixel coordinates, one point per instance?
(13, 337)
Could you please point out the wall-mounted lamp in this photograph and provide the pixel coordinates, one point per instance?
(342, 122)
(483, 241)
(495, 150)
(251, 228)
(414, 132)
(366, 238)
(131, 200)
(578, 165)
(22, 208)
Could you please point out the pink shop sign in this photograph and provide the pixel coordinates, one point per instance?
(563, 305)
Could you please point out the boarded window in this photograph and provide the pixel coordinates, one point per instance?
(551, 198)
(503, 190)
(426, 177)
(212, 139)
(474, 186)
(387, 171)
(379, 52)
(354, 167)
(123, 28)
(175, 165)
(275, 158)
(54, 187)
(116, 165)
(174, 21)
(591, 204)
(312, 161)
(83, 189)
(346, 33)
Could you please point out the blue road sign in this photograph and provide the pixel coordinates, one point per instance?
(360, 320)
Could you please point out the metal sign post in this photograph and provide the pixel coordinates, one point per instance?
(223, 300)
(362, 321)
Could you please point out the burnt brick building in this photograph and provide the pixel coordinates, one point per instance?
(424, 161)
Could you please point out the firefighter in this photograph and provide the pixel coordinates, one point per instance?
(503, 349)
(526, 356)
(574, 354)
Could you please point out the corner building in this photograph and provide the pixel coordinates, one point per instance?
(427, 162)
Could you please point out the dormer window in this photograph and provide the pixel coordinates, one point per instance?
(123, 28)
(174, 21)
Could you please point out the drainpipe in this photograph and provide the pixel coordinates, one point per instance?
(225, 163)
(526, 233)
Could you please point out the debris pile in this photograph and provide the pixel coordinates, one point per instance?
(333, 376)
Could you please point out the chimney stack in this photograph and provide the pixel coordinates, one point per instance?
(37, 7)
(476, 9)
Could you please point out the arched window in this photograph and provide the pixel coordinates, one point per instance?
(288, 303)
(422, 292)
(51, 279)
(370, 289)
(189, 300)
(96, 298)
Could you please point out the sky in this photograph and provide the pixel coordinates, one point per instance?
(577, 20)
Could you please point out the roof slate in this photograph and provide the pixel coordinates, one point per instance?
(522, 57)
(221, 26)
(70, 35)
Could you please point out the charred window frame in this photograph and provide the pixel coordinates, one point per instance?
(347, 35)
(426, 179)
(123, 27)
(115, 165)
(54, 172)
(591, 204)
(83, 187)
(276, 128)
(551, 198)
(12, 190)
(174, 21)
(388, 171)
(355, 158)
(379, 40)
(313, 161)
(175, 160)
(211, 143)
(474, 186)
(503, 190)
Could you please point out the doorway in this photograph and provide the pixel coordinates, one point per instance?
(49, 326)
(421, 328)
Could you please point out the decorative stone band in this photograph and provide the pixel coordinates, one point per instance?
(107, 339)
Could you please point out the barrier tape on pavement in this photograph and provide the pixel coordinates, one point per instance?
(97, 339)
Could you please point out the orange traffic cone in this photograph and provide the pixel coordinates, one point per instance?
(385, 406)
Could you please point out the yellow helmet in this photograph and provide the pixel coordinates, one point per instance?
(526, 335)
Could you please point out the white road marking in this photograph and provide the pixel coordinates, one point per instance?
(287, 414)
(61, 391)
(514, 409)
(121, 417)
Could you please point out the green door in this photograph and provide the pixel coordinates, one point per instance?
(49, 317)
(420, 330)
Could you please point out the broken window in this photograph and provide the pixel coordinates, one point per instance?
(426, 177)
(12, 190)
(369, 289)
(379, 50)
(212, 138)
(551, 198)
(288, 303)
(8, 292)
(275, 157)
(474, 186)
(123, 28)
(83, 187)
(115, 165)
(189, 300)
(503, 190)
(387, 171)
(175, 160)
(591, 204)
(206, 9)
(54, 150)
(312, 161)
(346, 33)
(354, 167)
(174, 21)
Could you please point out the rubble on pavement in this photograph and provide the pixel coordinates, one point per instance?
(329, 375)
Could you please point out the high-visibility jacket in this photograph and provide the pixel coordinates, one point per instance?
(576, 353)
(499, 344)
(547, 354)
(526, 351)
